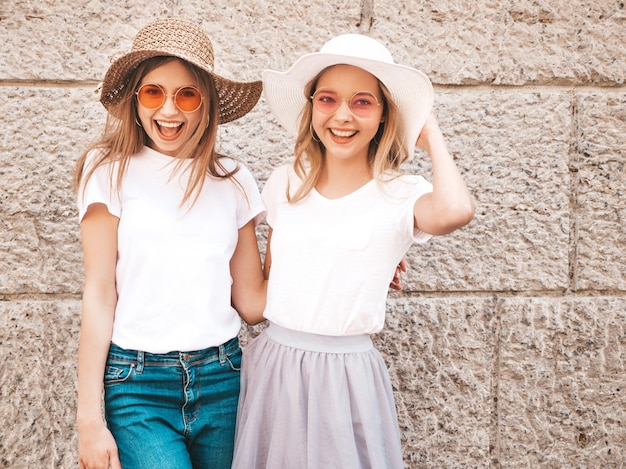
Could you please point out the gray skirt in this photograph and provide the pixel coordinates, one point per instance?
(315, 402)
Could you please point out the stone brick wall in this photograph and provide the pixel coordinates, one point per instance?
(507, 347)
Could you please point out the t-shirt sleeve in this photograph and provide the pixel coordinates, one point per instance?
(252, 207)
(423, 187)
(98, 189)
(274, 191)
(419, 187)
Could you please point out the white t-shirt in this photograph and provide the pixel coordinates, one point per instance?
(333, 260)
(173, 272)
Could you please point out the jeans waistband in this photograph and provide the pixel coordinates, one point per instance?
(173, 358)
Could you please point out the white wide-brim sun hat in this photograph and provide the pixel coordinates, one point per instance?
(410, 89)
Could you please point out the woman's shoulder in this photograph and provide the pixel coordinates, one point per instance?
(97, 159)
(287, 172)
(284, 171)
(95, 154)
(282, 177)
(239, 172)
(405, 178)
(404, 184)
(229, 165)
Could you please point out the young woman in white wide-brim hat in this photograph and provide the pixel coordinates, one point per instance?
(315, 392)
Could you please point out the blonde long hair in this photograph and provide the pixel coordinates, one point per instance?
(122, 138)
(386, 151)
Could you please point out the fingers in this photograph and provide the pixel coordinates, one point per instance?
(429, 133)
(396, 281)
(114, 463)
(100, 453)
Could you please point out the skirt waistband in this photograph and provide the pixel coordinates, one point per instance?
(317, 342)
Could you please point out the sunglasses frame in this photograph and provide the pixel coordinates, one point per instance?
(342, 99)
(165, 96)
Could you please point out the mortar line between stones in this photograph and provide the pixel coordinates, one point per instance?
(558, 294)
(50, 83)
(54, 83)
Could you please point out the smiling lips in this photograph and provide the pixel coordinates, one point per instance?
(343, 133)
(169, 130)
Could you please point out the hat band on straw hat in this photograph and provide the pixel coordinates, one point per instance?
(184, 40)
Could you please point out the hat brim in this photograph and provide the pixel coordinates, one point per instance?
(410, 89)
(236, 99)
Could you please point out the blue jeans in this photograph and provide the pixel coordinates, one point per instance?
(175, 410)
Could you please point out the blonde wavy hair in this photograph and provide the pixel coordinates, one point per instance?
(122, 138)
(386, 151)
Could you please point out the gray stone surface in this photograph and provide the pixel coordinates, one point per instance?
(520, 180)
(39, 341)
(44, 130)
(506, 348)
(508, 43)
(561, 397)
(601, 191)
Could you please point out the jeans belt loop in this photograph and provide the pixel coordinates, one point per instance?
(221, 355)
(140, 361)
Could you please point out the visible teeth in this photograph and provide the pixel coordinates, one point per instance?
(343, 133)
(169, 124)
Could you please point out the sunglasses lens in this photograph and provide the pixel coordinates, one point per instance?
(363, 104)
(151, 96)
(188, 99)
(326, 101)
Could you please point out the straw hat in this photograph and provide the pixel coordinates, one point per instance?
(410, 89)
(178, 38)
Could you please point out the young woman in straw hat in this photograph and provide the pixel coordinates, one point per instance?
(165, 222)
(315, 393)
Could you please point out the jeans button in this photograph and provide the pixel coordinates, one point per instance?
(186, 357)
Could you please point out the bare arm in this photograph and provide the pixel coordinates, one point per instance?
(450, 205)
(249, 288)
(96, 446)
(268, 255)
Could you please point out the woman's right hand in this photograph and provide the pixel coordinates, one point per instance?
(97, 448)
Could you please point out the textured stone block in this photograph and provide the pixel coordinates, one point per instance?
(601, 191)
(44, 132)
(512, 147)
(441, 359)
(561, 386)
(69, 40)
(507, 43)
(39, 342)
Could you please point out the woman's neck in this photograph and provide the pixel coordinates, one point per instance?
(339, 178)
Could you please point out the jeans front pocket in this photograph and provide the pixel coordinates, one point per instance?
(234, 359)
(115, 373)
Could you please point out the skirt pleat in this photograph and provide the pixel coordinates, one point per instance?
(310, 402)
